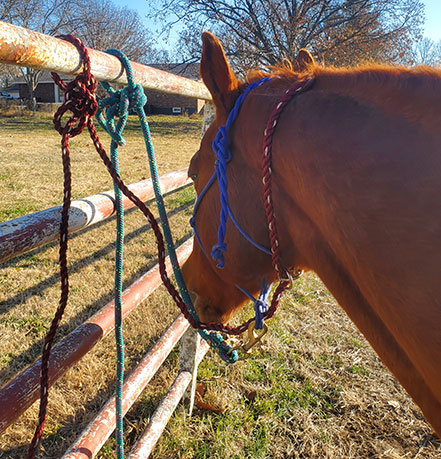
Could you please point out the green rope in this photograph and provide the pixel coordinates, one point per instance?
(121, 109)
(110, 125)
(137, 100)
(118, 104)
(119, 338)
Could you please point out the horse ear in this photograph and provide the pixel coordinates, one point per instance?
(303, 61)
(217, 75)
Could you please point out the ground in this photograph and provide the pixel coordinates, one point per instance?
(315, 390)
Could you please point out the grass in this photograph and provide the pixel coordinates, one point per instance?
(314, 390)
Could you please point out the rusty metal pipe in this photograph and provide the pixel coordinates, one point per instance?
(152, 433)
(25, 233)
(23, 47)
(145, 445)
(99, 430)
(19, 394)
(96, 433)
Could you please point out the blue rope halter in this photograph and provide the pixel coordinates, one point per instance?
(221, 148)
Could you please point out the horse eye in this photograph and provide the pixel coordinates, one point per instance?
(193, 176)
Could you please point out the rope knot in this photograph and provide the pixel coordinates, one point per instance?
(119, 103)
(260, 308)
(261, 304)
(221, 145)
(116, 104)
(79, 99)
(217, 253)
(137, 98)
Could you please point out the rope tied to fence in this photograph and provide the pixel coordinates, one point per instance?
(79, 100)
(136, 101)
(118, 104)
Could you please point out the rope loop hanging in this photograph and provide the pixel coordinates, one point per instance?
(80, 100)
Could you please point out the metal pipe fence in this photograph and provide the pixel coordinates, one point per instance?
(23, 47)
(29, 232)
(26, 48)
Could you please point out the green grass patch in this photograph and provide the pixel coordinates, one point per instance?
(15, 210)
(35, 324)
(329, 361)
(181, 197)
(358, 370)
(159, 124)
(38, 122)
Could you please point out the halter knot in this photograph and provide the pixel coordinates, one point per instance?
(217, 253)
(261, 304)
(221, 145)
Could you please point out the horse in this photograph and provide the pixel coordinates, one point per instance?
(356, 183)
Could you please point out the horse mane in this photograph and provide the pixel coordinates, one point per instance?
(283, 71)
(421, 77)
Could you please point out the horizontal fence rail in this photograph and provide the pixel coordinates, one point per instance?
(19, 394)
(98, 431)
(23, 47)
(25, 233)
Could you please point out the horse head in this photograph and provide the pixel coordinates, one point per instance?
(214, 289)
(354, 186)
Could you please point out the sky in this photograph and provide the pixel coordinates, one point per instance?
(433, 19)
(432, 24)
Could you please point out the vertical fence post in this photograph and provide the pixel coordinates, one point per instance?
(190, 342)
(188, 361)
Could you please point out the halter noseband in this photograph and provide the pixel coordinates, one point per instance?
(223, 155)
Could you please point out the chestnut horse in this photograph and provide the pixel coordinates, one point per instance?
(357, 197)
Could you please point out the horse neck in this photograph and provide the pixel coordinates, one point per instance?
(411, 93)
(327, 136)
(356, 179)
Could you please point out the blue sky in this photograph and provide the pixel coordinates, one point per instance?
(432, 24)
(433, 19)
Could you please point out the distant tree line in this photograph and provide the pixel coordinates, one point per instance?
(264, 32)
(255, 33)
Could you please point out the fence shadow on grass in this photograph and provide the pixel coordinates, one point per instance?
(28, 356)
(67, 433)
(37, 289)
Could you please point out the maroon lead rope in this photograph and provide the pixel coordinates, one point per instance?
(285, 278)
(80, 100)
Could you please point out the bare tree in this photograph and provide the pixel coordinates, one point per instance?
(46, 16)
(427, 52)
(100, 24)
(105, 26)
(6, 6)
(263, 32)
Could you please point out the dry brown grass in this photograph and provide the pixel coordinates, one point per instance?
(317, 391)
